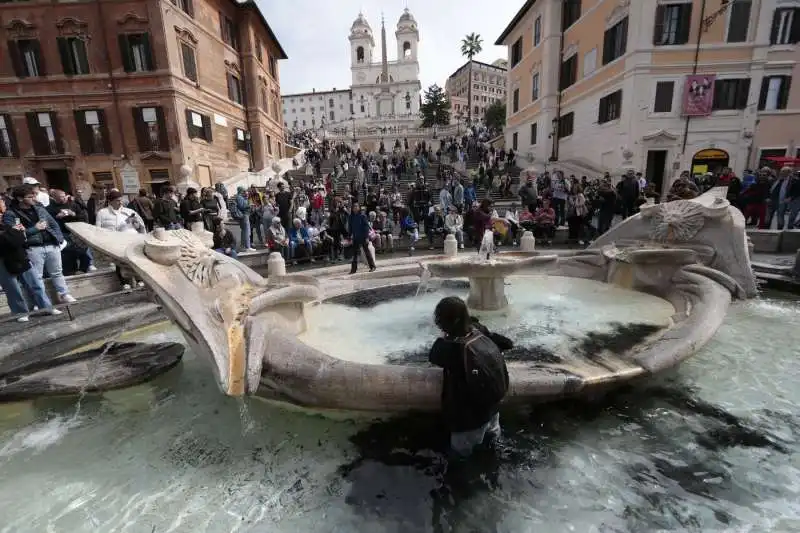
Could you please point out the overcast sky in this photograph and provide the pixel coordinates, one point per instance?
(314, 34)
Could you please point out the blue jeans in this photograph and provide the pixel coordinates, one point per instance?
(14, 290)
(222, 251)
(464, 442)
(244, 225)
(48, 258)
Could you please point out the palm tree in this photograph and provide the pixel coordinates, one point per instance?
(470, 47)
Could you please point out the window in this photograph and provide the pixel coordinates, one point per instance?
(73, 55)
(665, 91)
(615, 41)
(8, 139)
(259, 52)
(672, 24)
(264, 102)
(769, 152)
(516, 52)
(137, 55)
(610, 107)
(199, 126)
(304, 123)
(537, 31)
(565, 125)
(331, 115)
(234, 89)
(514, 140)
(535, 87)
(330, 102)
(569, 72)
(774, 93)
(26, 58)
(785, 26)
(739, 21)
(360, 54)
(45, 135)
(186, 6)
(104, 180)
(515, 101)
(571, 13)
(534, 133)
(151, 129)
(273, 69)
(92, 132)
(228, 31)
(730, 94)
(189, 62)
(269, 145)
(313, 109)
(240, 140)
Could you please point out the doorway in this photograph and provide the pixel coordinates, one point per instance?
(58, 178)
(656, 168)
(710, 160)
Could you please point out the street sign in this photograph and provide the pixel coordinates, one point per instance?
(130, 179)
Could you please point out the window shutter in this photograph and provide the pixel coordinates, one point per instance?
(12, 135)
(623, 39)
(608, 45)
(57, 133)
(101, 116)
(148, 50)
(762, 98)
(658, 29)
(717, 93)
(189, 128)
(739, 21)
(743, 93)
(783, 95)
(222, 28)
(794, 33)
(66, 57)
(235, 139)
(84, 137)
(207, 129)
(163, 140)
(125, 52)
(37, 51)
(139, 128)
(36, 133)
(16, 58)
(685, 23)
(776, 22)
(190, 8)
(82, 65)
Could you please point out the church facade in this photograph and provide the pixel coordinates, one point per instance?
(383, 92)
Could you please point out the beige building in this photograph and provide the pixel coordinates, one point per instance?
(600, 85)
(488, 86)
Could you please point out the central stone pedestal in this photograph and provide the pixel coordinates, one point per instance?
(487, 294)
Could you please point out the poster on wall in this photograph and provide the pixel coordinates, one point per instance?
(698, 95)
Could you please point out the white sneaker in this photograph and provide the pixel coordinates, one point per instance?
(66, 299)
(92, 268)
(126, 287)
(23, 318)
(53, 311)
(140, 284)
(249, 249)
(461, 246)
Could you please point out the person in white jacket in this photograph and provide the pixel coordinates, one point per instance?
(123, 220)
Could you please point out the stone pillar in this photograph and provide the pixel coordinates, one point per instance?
(450, 246)
(487, 294)
(527, 243)
(276, 266)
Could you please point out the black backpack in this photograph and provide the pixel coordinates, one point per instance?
(485, 370)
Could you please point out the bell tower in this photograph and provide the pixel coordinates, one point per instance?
(407, 35)
(362, 44)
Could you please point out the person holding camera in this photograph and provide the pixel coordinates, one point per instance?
(115, 217)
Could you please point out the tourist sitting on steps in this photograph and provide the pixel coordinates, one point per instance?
(224, 241)
(475, 375)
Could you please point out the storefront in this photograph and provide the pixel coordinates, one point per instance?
(710, 160)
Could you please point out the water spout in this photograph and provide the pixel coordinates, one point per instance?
(487, 245)
(424, 279)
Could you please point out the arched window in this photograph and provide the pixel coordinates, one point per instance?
(360, 54)
(406, 49)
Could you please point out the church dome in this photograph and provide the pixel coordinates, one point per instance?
(360, 26)
(407, 21)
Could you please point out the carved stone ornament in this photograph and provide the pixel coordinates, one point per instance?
(185, 34)
(681, 220)
(570, 50)
(71, 26)
(619, 12)
(133, 19)
(20, 29)
(232, 66)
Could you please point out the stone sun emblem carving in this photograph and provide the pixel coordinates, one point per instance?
(679, 220)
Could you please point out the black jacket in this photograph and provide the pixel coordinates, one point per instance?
(12, 250)
(80, 214)
(448, 354)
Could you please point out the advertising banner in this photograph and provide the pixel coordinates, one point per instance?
(698, 95)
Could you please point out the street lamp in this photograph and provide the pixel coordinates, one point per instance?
(248, 143)
(353, 119)
(434, 123)
(554, 136)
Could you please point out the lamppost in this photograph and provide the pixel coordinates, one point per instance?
(434, 123)
(554, 137)
(459, 118)
(353, 119)
(322, 126)
(248, 143)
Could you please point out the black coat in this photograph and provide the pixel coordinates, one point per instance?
(12, 250)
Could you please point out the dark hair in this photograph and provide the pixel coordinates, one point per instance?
(113, 195)
(191, 190)
(452, 316)
(142, 192)
(22, 191)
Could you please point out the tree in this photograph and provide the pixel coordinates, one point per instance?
(470, 47)
(435, 108)
(495, 116)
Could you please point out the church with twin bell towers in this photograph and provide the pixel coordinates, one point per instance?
(382, 89)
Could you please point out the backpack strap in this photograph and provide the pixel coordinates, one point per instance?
(469, 339)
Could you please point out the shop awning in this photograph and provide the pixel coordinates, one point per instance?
(782, 160)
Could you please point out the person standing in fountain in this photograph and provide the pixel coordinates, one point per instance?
(358, 226)
(475, 375)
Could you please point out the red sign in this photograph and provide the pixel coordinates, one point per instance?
(698, 95)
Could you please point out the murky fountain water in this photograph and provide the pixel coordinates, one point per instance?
(712, 447)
